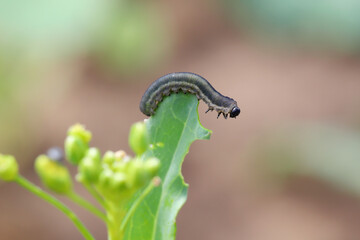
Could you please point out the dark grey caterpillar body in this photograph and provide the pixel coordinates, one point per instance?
(187, 83)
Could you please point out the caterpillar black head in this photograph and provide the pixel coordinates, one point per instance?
(234, 112)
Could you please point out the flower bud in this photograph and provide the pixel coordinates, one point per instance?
(77, 143)
(140, 172)
(138, 138)
(120, 156)
(80, 131)
(119, 166)
(105, 179)
(8, 168)
(53, 175)
(118, 181)
(94, 153)
(90, 166)
(109, 158)
(114, 185)
(75, 149)
(152, 166)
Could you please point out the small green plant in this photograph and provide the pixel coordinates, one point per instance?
(139, 196)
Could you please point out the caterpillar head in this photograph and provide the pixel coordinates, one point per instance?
(234, 112)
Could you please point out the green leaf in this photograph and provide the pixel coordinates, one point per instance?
(171, 130)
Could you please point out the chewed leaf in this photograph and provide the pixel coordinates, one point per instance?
(171, 130)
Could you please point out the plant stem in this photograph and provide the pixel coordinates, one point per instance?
(88, 206)
(56, 203)
(95, 194)
(115, 215)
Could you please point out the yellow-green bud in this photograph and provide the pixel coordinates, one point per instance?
(113, 185)
(118, 181)
(90, 166)
(8, 168)
(109, 158)
(53, 175)
(105, 178)
(120, 156)
(119, 166)
(75, 149)
(120, 163)
(94, 153)
(138, 138)
(152, 166)
(138, 174)
(80, 131)
(141, 172)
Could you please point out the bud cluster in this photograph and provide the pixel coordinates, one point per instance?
(115, 175)
(121, 176)
(112, 178)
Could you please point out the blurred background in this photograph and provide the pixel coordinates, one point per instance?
(287, 168)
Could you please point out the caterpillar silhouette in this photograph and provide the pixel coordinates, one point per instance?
(188, 83)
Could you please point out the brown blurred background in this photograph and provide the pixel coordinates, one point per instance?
(287, 168)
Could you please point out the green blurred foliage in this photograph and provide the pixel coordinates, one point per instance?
(50, 28)
(135, 38)
(127, 34)
(41, 40)
(332, 25)
(327, 152)
(11, 118)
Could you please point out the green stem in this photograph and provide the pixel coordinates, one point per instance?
(95, 194)
(56, 203)
(136, 204)
(88, 206)
(115, 215)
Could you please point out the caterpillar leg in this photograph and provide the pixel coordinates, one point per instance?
(167, 92)
(175, 89)
(219, 115)
(210, 109)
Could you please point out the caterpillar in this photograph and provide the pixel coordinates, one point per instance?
(188, 83)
